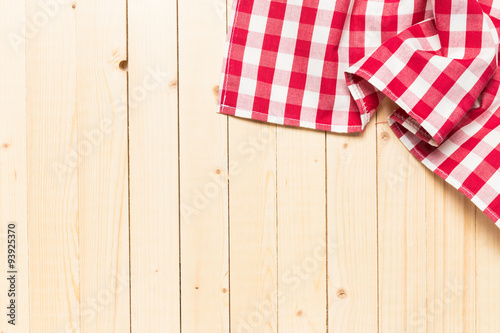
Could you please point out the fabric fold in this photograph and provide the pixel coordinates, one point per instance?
(435, 70)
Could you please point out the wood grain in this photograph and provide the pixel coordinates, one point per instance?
(154, 185)
(103, 166)
(252, 189)
(402, 253)
(487, 274)
(13, 173)
(451, 258)
(203, 169)
(301, 230)
(52, 169)
(352, 231)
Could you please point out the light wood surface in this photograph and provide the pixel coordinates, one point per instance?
(139, 209)
(153, 152)
(203, 170)
(103, 212)
(53, 171)
(13, 165)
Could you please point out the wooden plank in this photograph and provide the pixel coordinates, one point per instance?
(487, 274)
(13, 177)
(154, 195)
(252, 188)
(52, 161)
(451, 259)
(203, 169)
(301, 230)
(402, 233)
(103, 168)
(352, 231)
(254, 293)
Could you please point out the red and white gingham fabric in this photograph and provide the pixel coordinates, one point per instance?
(327, 64)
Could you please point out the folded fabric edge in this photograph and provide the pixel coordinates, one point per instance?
(411, 142)
(282, 120)
(358, 81)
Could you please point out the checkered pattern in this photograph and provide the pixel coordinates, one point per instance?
(469, 159)
(327, 64)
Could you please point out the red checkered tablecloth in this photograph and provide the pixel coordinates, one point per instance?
(327, 64)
